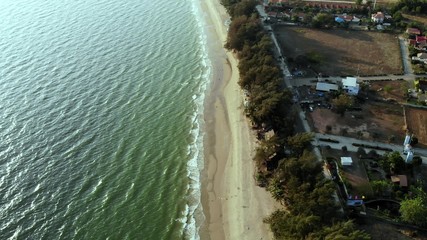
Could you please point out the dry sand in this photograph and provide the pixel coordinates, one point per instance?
(233, 205)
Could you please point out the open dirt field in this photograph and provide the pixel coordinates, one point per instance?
(377, 121)
(421, 18)
(416, 119)
(382, 230)
(393, 90)
(343, 52)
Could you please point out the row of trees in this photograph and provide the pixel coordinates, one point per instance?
(410, 6)
(291, 173)
(269, 102)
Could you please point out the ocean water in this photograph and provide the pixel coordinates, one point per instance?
(101, 105)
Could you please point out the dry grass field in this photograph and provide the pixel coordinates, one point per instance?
(416, 120)
(376, 121)
(395, 90)
(421, 19)
(343, 52)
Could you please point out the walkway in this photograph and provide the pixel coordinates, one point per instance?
(405, 57)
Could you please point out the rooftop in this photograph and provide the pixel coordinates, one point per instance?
(401, 179)
(378, 15)
(326, 87)
(349, 81)
(414, 31)
(346, 161)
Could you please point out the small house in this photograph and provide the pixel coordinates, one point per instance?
(301, 16)
(346, 161)
(355, 20)
(402, 180)
(350, 85)
(422, 56)
(412, 42)
(339, 20)
(345, 17)
(407, 140)
(407, 148)
(420, 38)
(413, 31)
(326, 87)
(276, 2)
(378, 17)
(409, 157)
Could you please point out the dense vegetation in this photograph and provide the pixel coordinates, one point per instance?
(289, 171)
(411, 6)
(408, 7)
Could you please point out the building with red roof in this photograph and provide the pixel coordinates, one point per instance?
(378, 17)
(420, 38)
(413, 31)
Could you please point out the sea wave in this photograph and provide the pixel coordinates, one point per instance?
(192, 215)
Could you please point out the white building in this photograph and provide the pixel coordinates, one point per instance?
(350, 85)
(346, 161)
(378, 17)
(409, 157)
(407, 140)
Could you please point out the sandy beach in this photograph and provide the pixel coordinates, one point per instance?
(233, 205)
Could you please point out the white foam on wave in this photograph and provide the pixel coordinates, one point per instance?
(192, 215)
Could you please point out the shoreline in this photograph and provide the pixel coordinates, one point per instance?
(233, 205)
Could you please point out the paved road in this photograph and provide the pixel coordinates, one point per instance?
(407, 67)
(311, 81)
(277, 49)
(348, 142)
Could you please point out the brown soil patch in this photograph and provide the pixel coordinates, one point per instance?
(343, 52)
(376, 121)
(392, 90)
(421, 18)
(382, 230)
(416, 119)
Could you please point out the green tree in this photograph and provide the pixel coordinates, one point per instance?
(323, 20)
(276, 188)
(412, 51)
(397, 16)
(342, 102)
(414, 211)
(243, 8)
(388, 88)
(265, 150)
(392, 162)
(243, 30)
(340, 231)
(380, 187)
(288, 226)
(299, 142)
